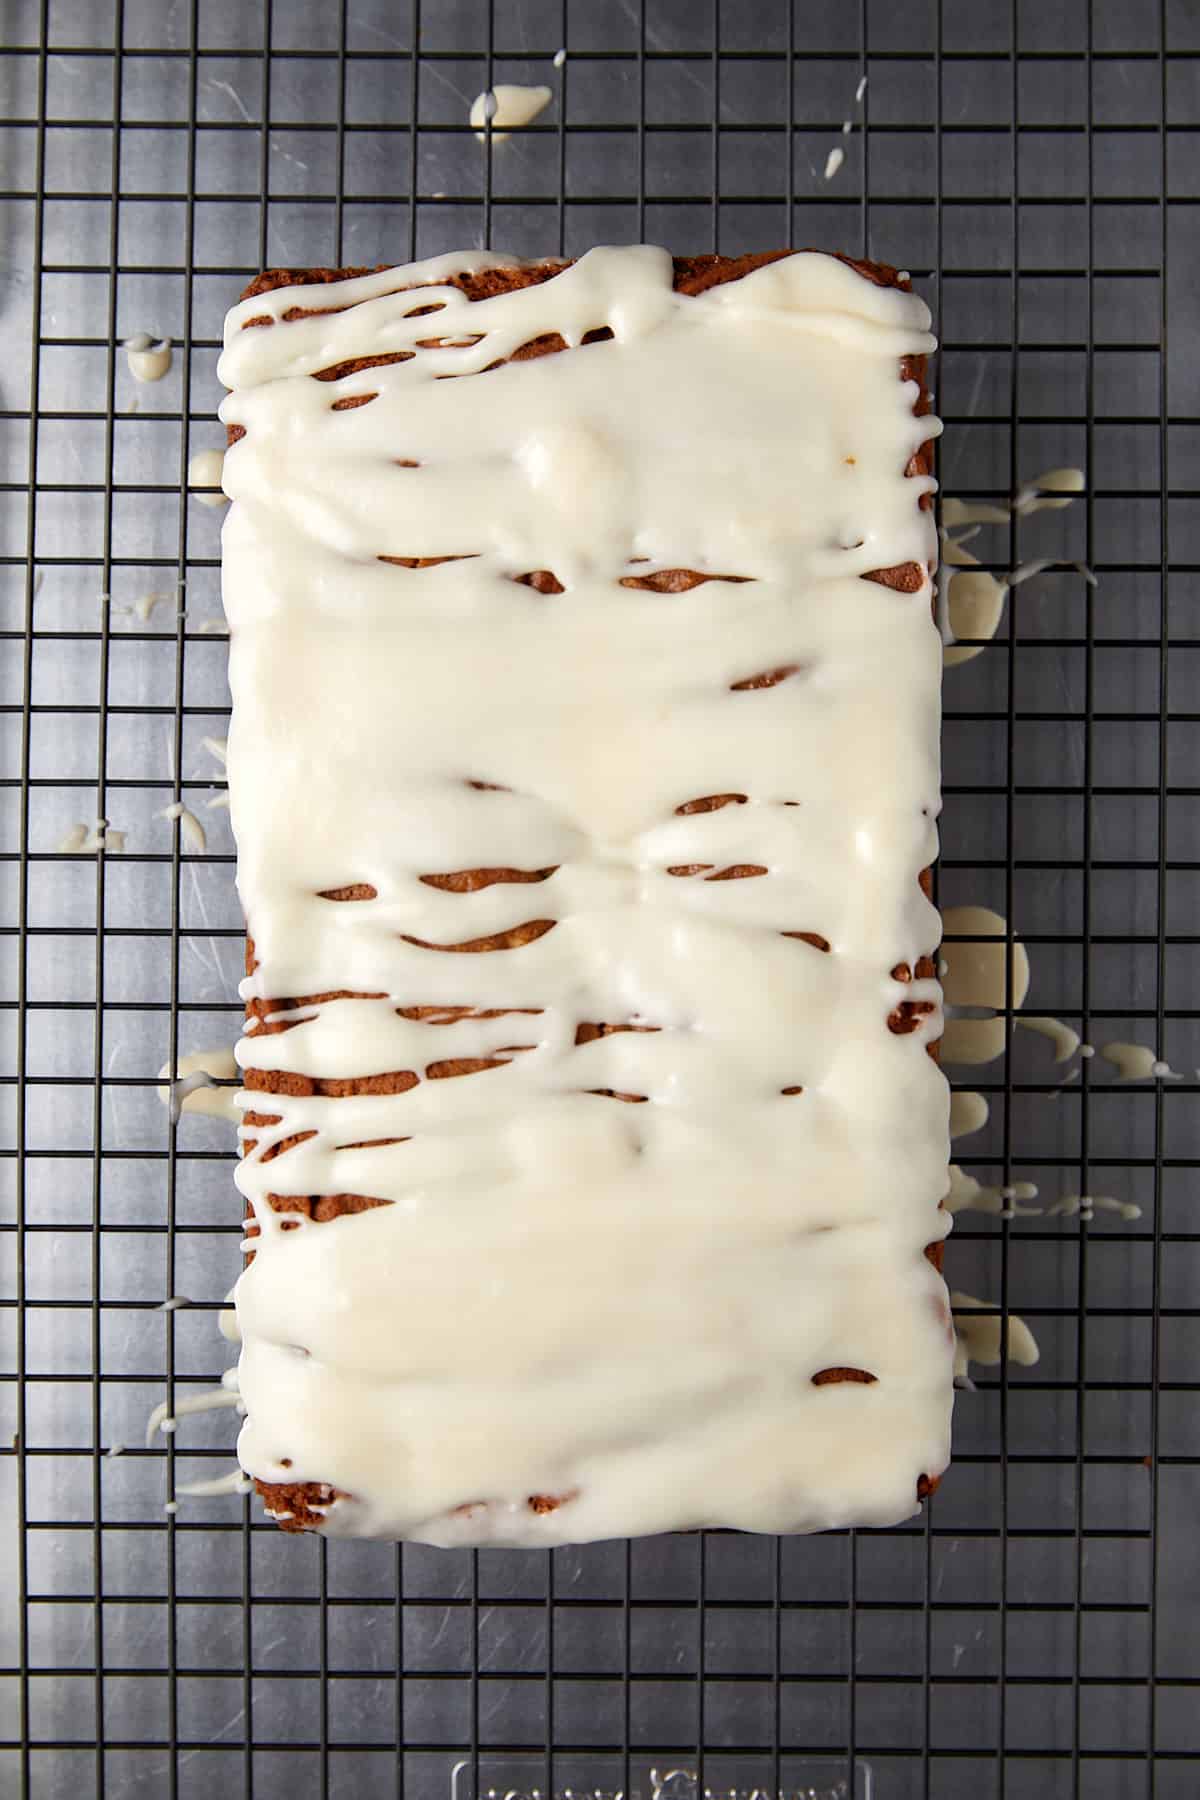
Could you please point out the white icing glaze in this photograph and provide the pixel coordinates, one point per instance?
(622, 1306)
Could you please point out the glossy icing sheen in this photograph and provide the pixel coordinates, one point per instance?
(620, 1306)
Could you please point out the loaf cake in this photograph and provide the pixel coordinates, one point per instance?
(584, 773)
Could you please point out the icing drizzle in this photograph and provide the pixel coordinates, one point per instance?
(684, 819)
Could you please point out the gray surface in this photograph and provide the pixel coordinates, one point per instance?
(1051, 1502)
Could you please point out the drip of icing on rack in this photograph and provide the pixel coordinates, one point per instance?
(165, 1419)
(193, 1085)
(986, 976)
(86, 840)
(986, 980)
(984, 1335)
(148, 357)
(970, 598)
(506, 108)
(509, 106)
(837, 155)
(204, 472)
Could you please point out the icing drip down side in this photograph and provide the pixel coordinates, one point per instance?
(589, 943)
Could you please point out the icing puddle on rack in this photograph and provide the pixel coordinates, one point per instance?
(1138, 1062)
(970, 598)
(148, 357)
(193, 1086)
(984, 978)
(204, 473)
(986, 981)
(984, 1336)
(507, 106)
(82, 838)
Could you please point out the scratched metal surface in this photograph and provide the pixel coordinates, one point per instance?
(1034, 166)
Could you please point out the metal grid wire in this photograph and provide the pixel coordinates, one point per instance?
(1033, 163)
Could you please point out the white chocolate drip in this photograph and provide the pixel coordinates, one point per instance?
(621, 1306)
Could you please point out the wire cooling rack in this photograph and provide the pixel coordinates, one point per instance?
(1034, 165)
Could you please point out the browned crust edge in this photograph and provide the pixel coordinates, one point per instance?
(301, 1506)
